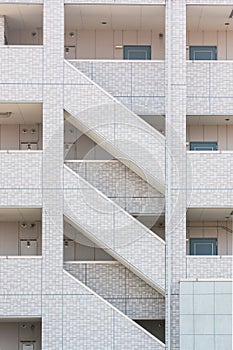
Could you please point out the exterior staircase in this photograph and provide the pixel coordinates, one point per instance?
(114, 127)
(114, 328)
(114, 230)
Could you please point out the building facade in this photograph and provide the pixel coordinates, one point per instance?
(116, 199)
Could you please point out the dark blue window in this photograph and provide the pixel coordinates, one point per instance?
(203, 53)
(137, 52)
(203, 246)
(203, 146)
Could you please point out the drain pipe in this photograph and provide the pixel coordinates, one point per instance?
(169, 168)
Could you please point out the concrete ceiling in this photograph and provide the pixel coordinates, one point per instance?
(22, 113)
(209, 120)
(118, 17)
(147, 17)
(23, 17)
(151, 220)
(20, 214)
(209, 18)
(20, 319)
(209, 214)
(157, 121)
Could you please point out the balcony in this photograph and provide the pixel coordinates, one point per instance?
(21, 126)
(22, 333)
(103, 31)
(21, 24)
(20, 232)
(210, 55)
(119, 47)
(209, 243)
(208, 27)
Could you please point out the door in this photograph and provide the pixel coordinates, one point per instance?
(137, 52)
(203, 146)
(205, 53)
(203, 246)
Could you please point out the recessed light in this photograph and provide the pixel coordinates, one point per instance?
(103, 22)
(227, 24)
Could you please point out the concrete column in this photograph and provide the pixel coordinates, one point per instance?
(2, 30)
(52, 239)
(176, 163)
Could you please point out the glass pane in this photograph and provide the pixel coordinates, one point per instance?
(203, 249)
(137, 52)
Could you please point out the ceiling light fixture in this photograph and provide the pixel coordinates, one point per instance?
(33, 33)
(103, 22)
(227, 119)
(24, 131)
(71, 34)
(227, 24)
(23, 225)
(28, 244)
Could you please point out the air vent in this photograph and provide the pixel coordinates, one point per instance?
(5, 114)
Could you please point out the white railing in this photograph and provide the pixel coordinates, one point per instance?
(209, 87)
(209, 178)
(20, 275)
(21, 64)
(220, 266)
(21, 178)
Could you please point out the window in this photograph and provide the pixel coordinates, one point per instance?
(203, 53)
(137, 52)
(203, 246)
(203, 146)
